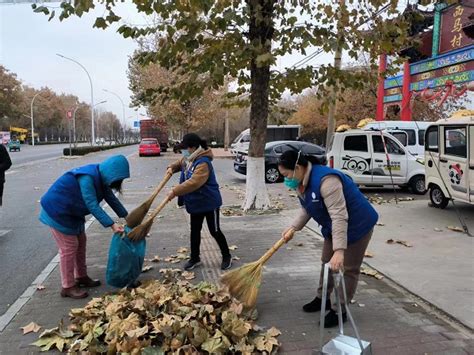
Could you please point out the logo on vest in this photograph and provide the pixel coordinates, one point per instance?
(313, 196)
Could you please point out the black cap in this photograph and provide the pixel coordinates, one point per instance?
(190, 140)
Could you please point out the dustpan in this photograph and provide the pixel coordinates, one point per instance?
(341, 344)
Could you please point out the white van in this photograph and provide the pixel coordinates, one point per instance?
(360, 154)
(410, 133)
(449, 157)
(274, 133)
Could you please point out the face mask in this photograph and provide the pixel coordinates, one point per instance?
(291, 183)
(185, 153)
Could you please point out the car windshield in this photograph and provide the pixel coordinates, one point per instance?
(149, 142)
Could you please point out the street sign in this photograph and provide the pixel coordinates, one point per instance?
(136, 124)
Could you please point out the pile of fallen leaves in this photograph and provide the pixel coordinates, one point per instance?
(379, 200)
(170, 316)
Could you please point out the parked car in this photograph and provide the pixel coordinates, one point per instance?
(361, 155)
(14, 145)
(273, 150)
(274, 133)
(149, 146)
(449, 157)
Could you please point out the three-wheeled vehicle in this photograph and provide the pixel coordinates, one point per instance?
(14, 145)
(449, 160)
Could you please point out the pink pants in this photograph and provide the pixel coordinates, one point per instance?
(72, 256)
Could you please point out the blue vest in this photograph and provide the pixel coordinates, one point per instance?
(208, 197)
(63, 201)
(362, 216)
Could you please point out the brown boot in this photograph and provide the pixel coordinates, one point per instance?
(86, 281)
(74, 292)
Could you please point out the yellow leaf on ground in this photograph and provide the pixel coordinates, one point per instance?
(456, 229)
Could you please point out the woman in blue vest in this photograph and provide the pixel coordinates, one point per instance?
(201, 196)
(346, 218)
(65, 205)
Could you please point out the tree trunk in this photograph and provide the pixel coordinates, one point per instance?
(260, 35)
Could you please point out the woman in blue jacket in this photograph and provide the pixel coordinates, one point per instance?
(346, 218)
(65, 205)
(201, 196)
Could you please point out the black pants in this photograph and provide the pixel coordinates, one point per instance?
(1, 192)
(212, 219)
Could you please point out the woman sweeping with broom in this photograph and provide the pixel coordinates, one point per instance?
(74, 195)
(201, 196)
(346, 218)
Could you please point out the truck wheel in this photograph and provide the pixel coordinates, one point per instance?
(437, 197)
(417, 185)
(272, 175)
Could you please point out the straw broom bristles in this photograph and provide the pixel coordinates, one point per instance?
(244, 283)
(136, 217)
(142, 230)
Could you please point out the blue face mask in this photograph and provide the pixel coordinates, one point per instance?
(291, 183)
(185, 153)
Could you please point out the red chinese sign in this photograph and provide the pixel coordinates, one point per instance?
(452, 36)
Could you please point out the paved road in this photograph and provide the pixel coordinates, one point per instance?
(25, 244)
(30, 154)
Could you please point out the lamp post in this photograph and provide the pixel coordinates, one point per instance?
(74, 119)
(32, 121)
(123, 110)
(92, 95)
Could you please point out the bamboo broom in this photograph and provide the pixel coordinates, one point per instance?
(136, 217)
(244, 282)
(142, 230)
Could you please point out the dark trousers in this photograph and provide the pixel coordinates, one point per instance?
(1, 192)
(212, 219)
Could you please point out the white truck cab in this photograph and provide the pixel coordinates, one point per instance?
(449, 157)
(360, 154)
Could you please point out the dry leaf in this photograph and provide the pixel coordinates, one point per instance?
(40, 287)
(368, 254)
(371, 272)
(380, 224)
(147, 268)
(438, 230)
(182, 250)
(156, 259)
(235, 258)
(31, 328)
(361, 305)
(456, 229)
(188, 275)
(299, 244)
(233, 247)
(397, 241)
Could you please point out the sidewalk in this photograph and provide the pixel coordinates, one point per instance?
(387, 317)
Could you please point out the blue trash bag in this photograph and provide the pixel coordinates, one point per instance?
(125, 260)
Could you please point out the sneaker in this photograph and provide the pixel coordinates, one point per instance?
(191, 264)
(315, 305)
(226, 262)
(331, 320)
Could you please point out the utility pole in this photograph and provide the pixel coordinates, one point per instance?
(334, 88)
(226, 131)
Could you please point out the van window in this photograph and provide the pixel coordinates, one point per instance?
(401, 136)
(246, 138)
(356, 143)
(411, 136)
(455, 141)
(392, 146)
(236, 140)
(431, 143)
(421, 137)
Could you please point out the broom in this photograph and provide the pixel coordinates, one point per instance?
(244, 282)
(142, 230)
(136, 217)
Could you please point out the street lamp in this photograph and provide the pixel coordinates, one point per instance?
(74, 119)
(32, 121)
(123, 110)
(92, 94)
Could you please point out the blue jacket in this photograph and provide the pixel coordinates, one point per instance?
(362, 216)
(208, 197)
(78, 193)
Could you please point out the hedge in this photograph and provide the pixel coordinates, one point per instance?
(90, 149)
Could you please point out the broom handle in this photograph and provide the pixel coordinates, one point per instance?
(271, 251)
(158, 209)
(160, 186)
